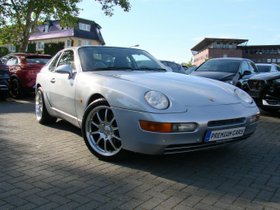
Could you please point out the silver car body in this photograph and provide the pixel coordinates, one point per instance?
(267, 67)
(210, 104)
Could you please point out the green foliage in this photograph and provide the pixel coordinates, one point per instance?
(31, 48)
(108, 5)
(3, 51)
(188, 64)
(53, 48)
(8, 35)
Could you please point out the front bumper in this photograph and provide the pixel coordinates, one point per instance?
(208, 118)
(265, 93)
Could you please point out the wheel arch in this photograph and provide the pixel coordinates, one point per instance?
(14, 76)
(95, 97)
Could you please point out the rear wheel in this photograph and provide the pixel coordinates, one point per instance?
(15, 89)
(42, 115)
(101, 132)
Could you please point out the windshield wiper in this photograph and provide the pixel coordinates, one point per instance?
(150, 69)
(113, 68)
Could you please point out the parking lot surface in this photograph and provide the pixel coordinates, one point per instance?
(50, 167)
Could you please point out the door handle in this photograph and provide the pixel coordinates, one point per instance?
(53, 80)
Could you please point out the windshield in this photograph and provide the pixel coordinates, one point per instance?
(263, 68)
(229, 66)
(106, 58)
(38, 60)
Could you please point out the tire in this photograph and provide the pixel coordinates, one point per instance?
(15, 89)
(270, 110)
(101, 132)
(42, 115)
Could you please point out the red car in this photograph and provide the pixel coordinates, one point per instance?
(23, 68)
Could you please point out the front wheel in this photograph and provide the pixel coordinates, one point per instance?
(42, 114)
(101, 132)
(270, 110)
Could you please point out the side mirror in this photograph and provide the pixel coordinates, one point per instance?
(246, 73)
(65, 69)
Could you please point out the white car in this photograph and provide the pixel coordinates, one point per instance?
(124, 100)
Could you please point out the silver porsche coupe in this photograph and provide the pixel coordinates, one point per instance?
(123, 99)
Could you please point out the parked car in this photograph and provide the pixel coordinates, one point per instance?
(4, 80)
(191, 69)
(235, 71)
(175, 67)
(265, 89)
(121, 105)
(267, 67)
(23, 68)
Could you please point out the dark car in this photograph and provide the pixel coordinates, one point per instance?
(235, 71)
(190, 69)
(175, 67)
(265, 89)
(23, 68)
(4, 80)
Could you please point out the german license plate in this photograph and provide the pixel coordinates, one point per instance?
(217, 135)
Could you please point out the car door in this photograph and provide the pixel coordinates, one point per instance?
(62, 86)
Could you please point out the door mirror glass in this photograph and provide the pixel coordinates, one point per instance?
(65, 69)
(246, 72)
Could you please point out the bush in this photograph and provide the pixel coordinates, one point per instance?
(53, 48)
(3, 51)
(31, 48)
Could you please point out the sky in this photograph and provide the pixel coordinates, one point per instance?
(168, 29)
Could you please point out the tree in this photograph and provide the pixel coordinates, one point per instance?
(18, 18)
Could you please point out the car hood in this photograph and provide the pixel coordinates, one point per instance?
(186, 89)
(222, 76)
(266, 76)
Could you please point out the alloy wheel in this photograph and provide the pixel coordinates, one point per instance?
(102, 131)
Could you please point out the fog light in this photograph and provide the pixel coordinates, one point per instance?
(184, 127)
(167, 127)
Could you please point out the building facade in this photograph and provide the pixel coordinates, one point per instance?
(262, 53)
(215, 47)
(86, 32)
(218, 47)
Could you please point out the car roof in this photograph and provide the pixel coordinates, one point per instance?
(231, 58)
(100, 46)
(28, 54)
(168, 61)
(265, 64)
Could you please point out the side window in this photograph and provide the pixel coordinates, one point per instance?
(54, 62)
(12, 61)
(244, 67)
(67, 58)
(277, 68)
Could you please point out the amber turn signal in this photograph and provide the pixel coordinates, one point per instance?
(167, 127)
(156, 127)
